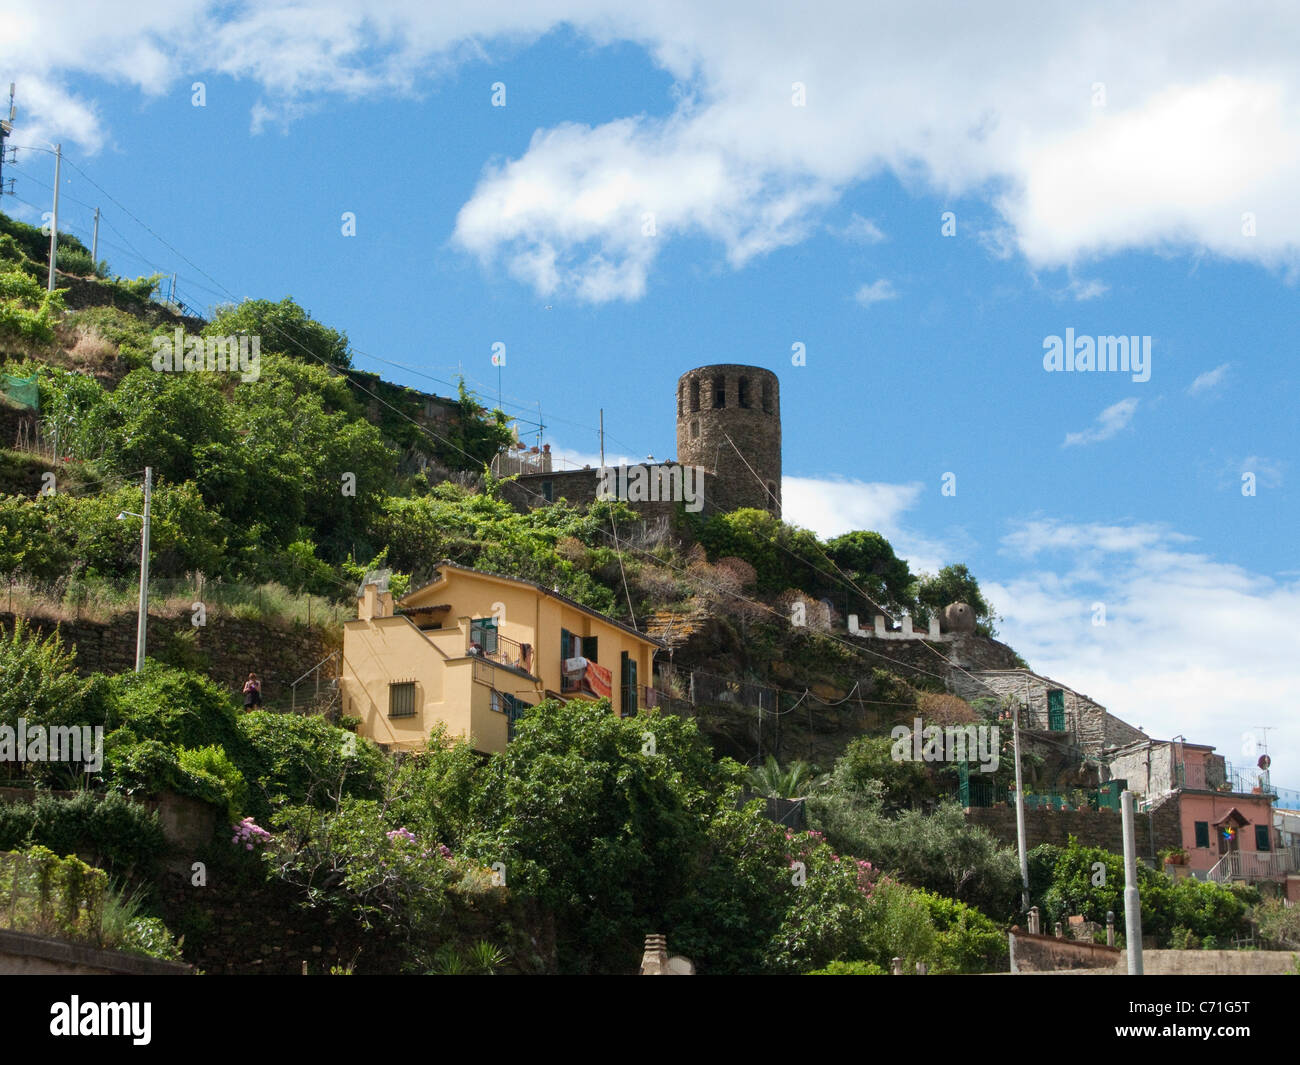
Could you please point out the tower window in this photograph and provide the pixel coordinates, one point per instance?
(695, 428)
(744, 392)
(695, 394)
(767, 396)
(719, 393)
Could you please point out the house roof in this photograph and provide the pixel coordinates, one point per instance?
(549, 592)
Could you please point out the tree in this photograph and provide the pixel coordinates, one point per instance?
(597, 826)
(955, 584)
(283, 328)
(937, 851)
(39, 683)
(869, 561)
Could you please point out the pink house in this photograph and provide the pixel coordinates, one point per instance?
(1227, 823)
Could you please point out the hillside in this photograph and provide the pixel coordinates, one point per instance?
(279, 484)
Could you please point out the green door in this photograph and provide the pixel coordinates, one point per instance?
(628, 664)
(1056, 711)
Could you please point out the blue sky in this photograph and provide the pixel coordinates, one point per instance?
(1111, 212)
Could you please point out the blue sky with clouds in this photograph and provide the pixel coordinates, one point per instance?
(1108, 174)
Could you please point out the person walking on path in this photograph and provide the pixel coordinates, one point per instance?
(252, 692)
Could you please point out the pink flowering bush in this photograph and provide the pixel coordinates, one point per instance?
(249, 834)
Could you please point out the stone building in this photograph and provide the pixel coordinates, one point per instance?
(729, 423)
(1050, 707)
(728, 428)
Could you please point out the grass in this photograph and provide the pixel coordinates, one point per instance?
(101, 601)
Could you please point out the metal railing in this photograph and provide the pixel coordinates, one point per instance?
(511, 653)
(320, 702)
(1287, 799)
(1255, 865)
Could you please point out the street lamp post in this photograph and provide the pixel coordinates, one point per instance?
(142, 621)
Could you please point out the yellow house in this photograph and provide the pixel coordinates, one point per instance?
(474, 649)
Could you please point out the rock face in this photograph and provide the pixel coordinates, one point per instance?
(957, 617)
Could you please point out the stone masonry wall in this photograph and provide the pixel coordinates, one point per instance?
(1157, 830)
(228, 649)
(707, 430)
(1087, 723)
(579, 487)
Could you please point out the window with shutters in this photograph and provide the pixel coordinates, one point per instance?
(1202, 829)
(1263, 841)
(1056, 711)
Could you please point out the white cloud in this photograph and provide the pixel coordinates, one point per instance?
(876, 292)
(1268, 472)
(1190, 646)
(832, 506)
(1082, 290)
(1209, 380)
(1112, 420)
(1201, 123)
(862, 231)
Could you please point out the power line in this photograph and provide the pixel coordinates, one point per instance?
(455, 447)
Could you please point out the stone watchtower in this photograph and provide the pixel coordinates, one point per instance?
(725, 405)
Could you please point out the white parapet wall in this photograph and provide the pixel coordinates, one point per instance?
(880, 632)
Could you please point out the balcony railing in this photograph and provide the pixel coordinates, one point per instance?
(508, 652)
(1255, 865)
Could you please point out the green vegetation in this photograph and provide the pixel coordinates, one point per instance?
(304, 477)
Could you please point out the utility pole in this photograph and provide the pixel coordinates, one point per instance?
(142, 624)
(1020, 808)
(94, 240)
(6, 127)
(54, 223)
(1132, 905)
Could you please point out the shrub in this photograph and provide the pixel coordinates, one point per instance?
(850, 968)
(304, 760)
(139, 767)
(117, 834)
(209, 774)
(174, 706)
(149, 936)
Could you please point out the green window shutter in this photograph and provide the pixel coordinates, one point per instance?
(628, 670)
(566, 644)
(1056, 710)
(1202, 833)
(483, 631)
(1262, 841)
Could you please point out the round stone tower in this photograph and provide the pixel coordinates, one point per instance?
(718, 406)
